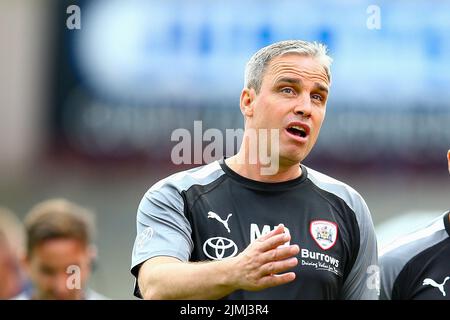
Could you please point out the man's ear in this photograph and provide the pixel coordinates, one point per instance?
(93, 253)
(246, 103)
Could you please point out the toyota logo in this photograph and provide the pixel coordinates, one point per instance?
(218, 248)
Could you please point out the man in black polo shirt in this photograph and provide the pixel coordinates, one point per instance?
(241, 228)
(417, 266)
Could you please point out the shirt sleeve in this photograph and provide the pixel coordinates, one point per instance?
(397, 257)
(362, 283)
(390, 268)
(162, 228)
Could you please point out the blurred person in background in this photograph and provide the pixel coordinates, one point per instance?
(59, 251)
(224, 230)
(12, 278)
(417, 266)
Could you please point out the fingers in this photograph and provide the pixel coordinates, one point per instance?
(274, 267)
(280, 253)
(274, 241)
(264, 261)
(277, 279)
(278, 230)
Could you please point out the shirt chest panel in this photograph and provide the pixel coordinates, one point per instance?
(224, 223)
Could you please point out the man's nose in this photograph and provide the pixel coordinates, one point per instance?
(303, 105)
(60, 285)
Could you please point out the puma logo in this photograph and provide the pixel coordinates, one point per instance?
(433, 283)
(214, 215)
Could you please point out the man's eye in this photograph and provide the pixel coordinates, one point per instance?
(47, 271)
(287, 90)
(317, 97)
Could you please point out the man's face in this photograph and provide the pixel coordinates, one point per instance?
(293, 100)
(52, 262)
(10, 283)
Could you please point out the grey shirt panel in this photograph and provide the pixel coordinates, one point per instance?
(362, 281)
(398, 253)
(162, 228)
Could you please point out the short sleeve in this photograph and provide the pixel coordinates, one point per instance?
(362, 282)
(162, 228)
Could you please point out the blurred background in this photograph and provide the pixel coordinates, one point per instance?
(87, 114)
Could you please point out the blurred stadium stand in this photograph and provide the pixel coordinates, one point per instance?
(88, 114)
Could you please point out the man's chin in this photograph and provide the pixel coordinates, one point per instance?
(288, 160)
(293, 156)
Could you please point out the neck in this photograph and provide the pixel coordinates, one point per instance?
(258, 171)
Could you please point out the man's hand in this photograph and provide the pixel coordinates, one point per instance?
(258, 267)
(261, 264)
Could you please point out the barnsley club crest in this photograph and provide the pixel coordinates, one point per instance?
(324, 233)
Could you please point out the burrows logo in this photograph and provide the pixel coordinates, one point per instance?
(324, 233)
(320, 261)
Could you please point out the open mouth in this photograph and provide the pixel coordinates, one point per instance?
(297, 131)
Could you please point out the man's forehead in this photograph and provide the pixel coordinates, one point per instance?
(297, 65)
